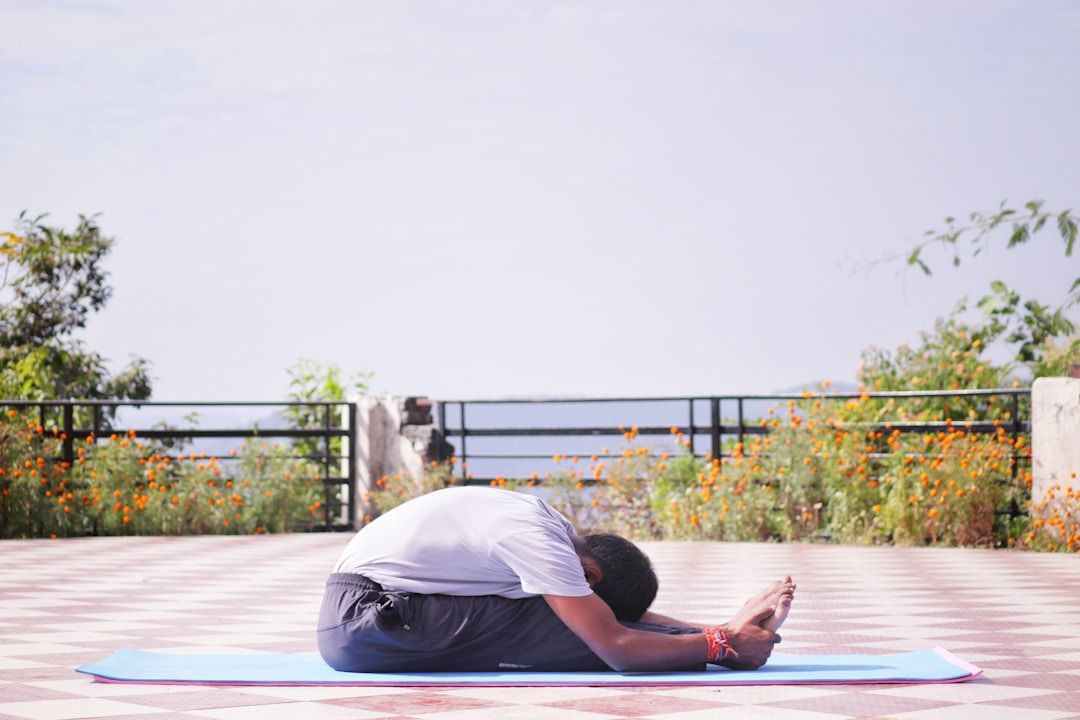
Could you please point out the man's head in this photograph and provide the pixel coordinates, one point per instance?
(620, 574)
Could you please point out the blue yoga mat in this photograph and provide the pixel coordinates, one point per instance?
(136, 666)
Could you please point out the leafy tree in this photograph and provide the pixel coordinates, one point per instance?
(51, 282)
(952, 356)
(1028, 326)
(314, 381)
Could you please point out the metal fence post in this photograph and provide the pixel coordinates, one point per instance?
(440, 448)
(464, 453)
(741, 428)
(690, 430)
(68, 441)
(326, 468)
(350, 456)
(1015, 434)
(714, 426)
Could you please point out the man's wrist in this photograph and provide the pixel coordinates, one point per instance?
(719, 648)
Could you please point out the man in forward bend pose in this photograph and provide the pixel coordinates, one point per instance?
(479, 579)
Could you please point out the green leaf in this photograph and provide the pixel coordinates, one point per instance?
(1019, 235)
(914, 256)
(1033, 205)
(999, 287)
(923, 267)
(1064, 229)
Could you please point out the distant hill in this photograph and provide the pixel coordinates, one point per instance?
(834, 387)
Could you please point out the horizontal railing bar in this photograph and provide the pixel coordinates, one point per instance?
(543, 456)
(775, 396)
(582, 457)
(205, 433)
(752, 429)
(200, 456)
(186, 457)
(547, 431)
(174, 403)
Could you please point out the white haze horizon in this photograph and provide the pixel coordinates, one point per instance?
(486, 199)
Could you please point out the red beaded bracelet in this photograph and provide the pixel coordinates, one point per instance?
(719, 647)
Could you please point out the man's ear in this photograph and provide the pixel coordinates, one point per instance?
(593, 574)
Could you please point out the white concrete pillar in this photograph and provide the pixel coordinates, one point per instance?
(1055, 435)
(381, 448)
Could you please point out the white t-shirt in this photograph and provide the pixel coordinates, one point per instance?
(469, 541)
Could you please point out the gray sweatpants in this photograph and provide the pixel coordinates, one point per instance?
(363, 628)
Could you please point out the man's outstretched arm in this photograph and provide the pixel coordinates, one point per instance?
(626, 649)
(658, 619)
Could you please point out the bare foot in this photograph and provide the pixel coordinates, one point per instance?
(782, 605)
(768, 600)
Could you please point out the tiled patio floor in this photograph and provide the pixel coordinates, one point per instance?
(68, 602)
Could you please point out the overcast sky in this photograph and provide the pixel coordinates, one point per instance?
(499, 198)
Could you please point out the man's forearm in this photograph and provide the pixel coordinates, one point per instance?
(658, 619)
(640, 650)
(625, 648)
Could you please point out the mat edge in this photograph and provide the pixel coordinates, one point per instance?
(973, 669)
(707, 683)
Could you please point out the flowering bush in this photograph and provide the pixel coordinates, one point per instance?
(1054, 524)
(122, 486)
(820, 469)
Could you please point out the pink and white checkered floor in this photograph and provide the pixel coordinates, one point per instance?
(68, 602)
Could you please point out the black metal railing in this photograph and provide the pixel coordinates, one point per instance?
(85, 419)
(685, 414)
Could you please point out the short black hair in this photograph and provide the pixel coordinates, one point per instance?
(629, 584)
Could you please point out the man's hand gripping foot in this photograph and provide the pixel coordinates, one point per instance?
(751, 634)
